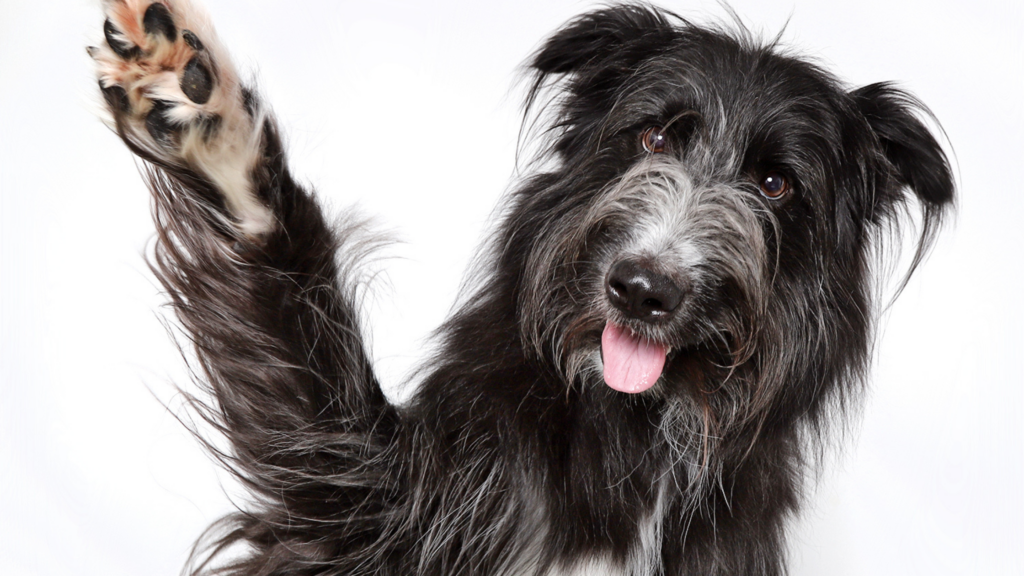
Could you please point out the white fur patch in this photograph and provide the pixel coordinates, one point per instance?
(590, 567)
(644, 558)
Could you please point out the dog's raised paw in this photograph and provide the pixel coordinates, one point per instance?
(175, 98)
(161, 78)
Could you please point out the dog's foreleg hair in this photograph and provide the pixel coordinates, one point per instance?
(249, 264)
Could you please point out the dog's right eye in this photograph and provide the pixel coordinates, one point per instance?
(654, 139)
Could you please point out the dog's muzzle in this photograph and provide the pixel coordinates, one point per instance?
(632, 363)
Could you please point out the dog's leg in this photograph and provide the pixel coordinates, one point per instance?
(250, 266)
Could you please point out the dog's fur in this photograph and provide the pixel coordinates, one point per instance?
(514, 457)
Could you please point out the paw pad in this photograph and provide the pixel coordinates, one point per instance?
(192, 40)
(116, 98)
(158, 20)
(158, 125)
(196, 79)
(122, 48)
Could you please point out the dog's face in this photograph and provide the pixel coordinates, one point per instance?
(711, 211)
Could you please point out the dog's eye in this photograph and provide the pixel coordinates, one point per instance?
(653, 139)
(774, 185)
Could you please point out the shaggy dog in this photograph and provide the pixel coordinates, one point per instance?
(675, 304)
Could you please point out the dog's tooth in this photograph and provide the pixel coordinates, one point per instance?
(158, 20)
(196, 81)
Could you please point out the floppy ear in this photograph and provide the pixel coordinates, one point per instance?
(590, 57)
(590, 39)
(917, 159)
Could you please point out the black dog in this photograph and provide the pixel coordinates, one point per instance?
(676, 304)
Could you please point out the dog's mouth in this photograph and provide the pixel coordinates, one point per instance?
(632, 364)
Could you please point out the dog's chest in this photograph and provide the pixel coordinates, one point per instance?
(594, 567)
(643, 559)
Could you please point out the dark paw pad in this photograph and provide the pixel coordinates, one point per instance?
(196, 81)
(158, 20)
(250, 101)
(120, 47)
(116, 98)
(208, 126)
(192, 40)
(158, 125)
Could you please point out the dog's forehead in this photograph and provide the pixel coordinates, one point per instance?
(726, 80)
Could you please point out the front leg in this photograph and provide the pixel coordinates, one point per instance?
(253, 272)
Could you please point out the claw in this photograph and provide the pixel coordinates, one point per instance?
(91, 51)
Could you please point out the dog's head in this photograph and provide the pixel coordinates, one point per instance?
(710, 210)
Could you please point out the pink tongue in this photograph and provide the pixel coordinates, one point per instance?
(630, 365)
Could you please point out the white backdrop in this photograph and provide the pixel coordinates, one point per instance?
(97, 478)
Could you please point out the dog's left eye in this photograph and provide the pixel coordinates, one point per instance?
(654, 139)
(774, 185)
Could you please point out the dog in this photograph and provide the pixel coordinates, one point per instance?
(675, 307)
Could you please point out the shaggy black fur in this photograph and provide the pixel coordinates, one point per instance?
(514, 457)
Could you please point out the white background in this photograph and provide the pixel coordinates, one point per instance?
(404, 107)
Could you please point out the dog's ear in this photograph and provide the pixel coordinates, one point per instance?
(914, 160)
(916, 157)
(591, 39)
(590, 57)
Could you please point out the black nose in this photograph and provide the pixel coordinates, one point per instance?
(641, 292)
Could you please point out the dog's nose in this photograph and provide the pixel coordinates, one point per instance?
(641, 292)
